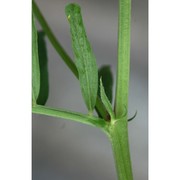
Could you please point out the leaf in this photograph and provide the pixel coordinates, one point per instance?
(35, 65)
(105, 100)
(84, 57)
(107, 80)
(43, 63)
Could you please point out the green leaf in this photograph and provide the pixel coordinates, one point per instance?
(84, 57)
(105, 101)
(63, 54)
(107, 80)
(43, 63)
(35, 65)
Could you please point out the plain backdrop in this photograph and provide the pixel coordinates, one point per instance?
(65, 150)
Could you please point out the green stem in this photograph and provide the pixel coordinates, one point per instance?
(122, 80)
(60, 50)
(73, 116)
(65, 57)
(119, 140)
(119, 127)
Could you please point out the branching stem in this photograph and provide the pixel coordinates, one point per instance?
(69, 115)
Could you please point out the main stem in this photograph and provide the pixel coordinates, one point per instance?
(119, 127)
(119, 139)
(122, 80)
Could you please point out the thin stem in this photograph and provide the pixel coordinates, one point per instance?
(122, 81)
(73, 116)
(60, 50)
(66, 58)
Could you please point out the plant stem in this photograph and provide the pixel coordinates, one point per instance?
(122, 80)
(73, 116)
(119, 140)
(60, 50)
(119, 127)
(65, 57)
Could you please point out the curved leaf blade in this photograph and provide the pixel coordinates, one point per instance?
(35, 64)
(43, 64)
(107, 80)
(84, 57)
(105, 100)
